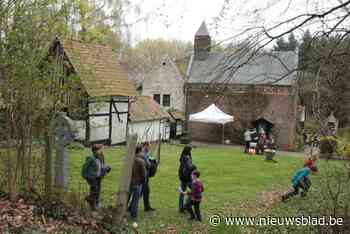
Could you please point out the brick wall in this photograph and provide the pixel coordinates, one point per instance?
(277, 105)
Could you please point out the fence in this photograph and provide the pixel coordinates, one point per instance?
(78, 188)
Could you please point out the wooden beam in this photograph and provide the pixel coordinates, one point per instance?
(122, 195)
(110, 121)
(223, 134)
(87, 130)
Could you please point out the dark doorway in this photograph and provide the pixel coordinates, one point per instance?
(264, 124)
(173, 130)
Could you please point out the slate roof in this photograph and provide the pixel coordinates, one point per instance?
(144, 108)
(98, 68)
(261, 69)
(203, 30)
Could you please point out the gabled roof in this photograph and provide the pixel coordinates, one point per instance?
(144, 108)
(98, 68)
(264, 68)
(170, 61)
(203, 30)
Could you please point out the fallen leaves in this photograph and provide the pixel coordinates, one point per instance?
(18, 216)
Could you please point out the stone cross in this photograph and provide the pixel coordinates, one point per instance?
(64, 133)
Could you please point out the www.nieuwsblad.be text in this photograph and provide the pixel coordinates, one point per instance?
(216, 220)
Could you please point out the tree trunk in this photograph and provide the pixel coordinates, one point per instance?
(48, 164)
(11, 176)
(122, 195)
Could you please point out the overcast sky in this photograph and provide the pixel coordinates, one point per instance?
(171, 19)
(180, 19)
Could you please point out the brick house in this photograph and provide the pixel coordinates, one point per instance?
(262, 93)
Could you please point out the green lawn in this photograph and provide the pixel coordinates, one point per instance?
(229, 176)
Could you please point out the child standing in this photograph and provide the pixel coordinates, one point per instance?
(300, 180)
(197, 188)
(94, 169)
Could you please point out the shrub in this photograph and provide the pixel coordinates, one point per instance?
(345, 151)
(328, 145)
(344, 133)
(76, 146)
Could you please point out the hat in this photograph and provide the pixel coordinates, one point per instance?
(96, 147)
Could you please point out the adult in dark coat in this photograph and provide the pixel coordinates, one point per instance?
(145, 187)
(185, 170)
(137, 180)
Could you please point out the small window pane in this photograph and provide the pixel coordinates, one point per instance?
(156, 97)
(166, 100)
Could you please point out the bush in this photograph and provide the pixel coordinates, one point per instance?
(344, 133)
(343, 143)
(328, 145)
(76, 146)
(344, 150)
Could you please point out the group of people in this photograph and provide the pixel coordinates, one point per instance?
(189, 179)
(301, 179)
(94, 170)
(257, 141)
(144, 167)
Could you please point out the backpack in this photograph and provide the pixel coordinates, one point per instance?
(85, 168)
(153, 165)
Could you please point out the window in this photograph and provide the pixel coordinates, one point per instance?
(156, 97)
(166, 100)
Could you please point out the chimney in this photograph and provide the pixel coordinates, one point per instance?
(202, 43)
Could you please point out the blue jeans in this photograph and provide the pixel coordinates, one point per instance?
(184, 186)
(135, 193)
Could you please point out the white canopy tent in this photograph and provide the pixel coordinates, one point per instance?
(212, 114)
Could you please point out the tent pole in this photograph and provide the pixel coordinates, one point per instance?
(223, 133)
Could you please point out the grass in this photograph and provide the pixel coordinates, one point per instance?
(229, 177)
(233, 183)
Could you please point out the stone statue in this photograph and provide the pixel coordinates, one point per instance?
(64, 134)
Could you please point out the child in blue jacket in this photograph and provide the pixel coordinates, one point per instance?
(300, 180)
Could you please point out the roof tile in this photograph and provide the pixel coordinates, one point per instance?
(98, 68)
(144, 108)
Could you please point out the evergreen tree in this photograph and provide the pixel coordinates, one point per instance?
(292, 42)
(305, 50)
(281, 45)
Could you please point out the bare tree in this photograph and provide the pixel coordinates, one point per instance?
(330, 38)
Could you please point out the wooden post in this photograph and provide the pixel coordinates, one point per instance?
(158, 151)
(122, 195)
(223, 134)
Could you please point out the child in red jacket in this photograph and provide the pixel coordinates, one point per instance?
(196, 196)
